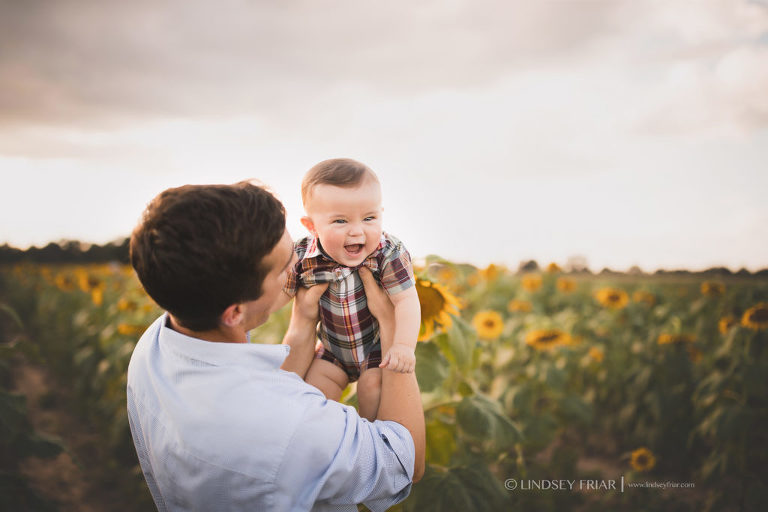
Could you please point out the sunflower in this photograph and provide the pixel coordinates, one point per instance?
(488, 325)
(531, 282)
(712, 289)
(694, 354)
(643, 459)
(668, 339)
(87, 281)
(612, 298)
(65, 282)
(437, 306)
(519, 305)
(565, 284)
(602, 331)
(47, 273)
(553, 268)
(725, 323)
(492, 272)
(546, 339)
(130, 330)
(756, 317)
(596, 354)
(97, 296)
(644, 296)
(126, 305)
(446, 274)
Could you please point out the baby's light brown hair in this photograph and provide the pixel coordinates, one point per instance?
(339, 172)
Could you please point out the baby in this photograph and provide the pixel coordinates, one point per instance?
(342, 200)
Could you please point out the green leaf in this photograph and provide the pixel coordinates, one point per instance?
(42, 445)
(464, 488)
(458, 344)
(465, 389)
(5, 308)
(483, 419)
(539, 431)
(574, 409)
(18, 495)
(431, 366)
(519, 400)
(13, 415)
(441, 442)
(554, 377)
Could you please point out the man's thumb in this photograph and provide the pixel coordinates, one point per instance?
(314, 292)
(366, 276)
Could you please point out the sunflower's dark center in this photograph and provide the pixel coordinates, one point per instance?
(759, 315)
(432, 302)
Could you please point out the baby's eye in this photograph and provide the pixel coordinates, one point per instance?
(370, 218)
(339, 221)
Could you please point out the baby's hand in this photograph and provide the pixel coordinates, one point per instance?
(400, 358)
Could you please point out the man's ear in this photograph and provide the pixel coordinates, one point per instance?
(232, 316)
(307, 223)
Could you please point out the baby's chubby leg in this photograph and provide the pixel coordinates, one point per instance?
(369, 393)
(328, 378)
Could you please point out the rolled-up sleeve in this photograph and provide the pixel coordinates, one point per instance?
(336, 459)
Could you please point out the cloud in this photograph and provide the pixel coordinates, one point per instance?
(112, 62)
(709, 75)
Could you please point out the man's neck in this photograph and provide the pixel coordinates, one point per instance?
(219, 335)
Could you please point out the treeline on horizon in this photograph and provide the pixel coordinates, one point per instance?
(73, 251)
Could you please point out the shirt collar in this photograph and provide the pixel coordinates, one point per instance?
(254, 355)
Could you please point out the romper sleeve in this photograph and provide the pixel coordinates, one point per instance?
(395, 268)
(292, 283)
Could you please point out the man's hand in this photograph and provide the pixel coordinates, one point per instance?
(399, 358)
(301, 331)
(305, 305)
(378, 300)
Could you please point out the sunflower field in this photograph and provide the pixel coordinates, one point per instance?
(526, 379)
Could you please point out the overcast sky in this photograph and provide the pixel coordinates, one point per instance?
(632, 133)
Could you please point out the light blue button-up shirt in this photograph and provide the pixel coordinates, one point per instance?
(220, 427)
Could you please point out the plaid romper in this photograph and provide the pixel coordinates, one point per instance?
(348, 334)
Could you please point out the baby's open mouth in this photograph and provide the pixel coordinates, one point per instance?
(354, 249)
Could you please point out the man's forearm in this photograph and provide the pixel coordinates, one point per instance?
(301, 338)
(401, 400)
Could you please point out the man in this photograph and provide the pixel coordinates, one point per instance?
(221, 424)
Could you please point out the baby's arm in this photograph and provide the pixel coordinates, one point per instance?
(401, 357)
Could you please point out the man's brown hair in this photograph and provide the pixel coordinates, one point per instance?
(199, 248)
(340, 172)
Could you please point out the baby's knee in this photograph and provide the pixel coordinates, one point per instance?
(370, 380)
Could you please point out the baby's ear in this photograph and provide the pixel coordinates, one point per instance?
(307, 223)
